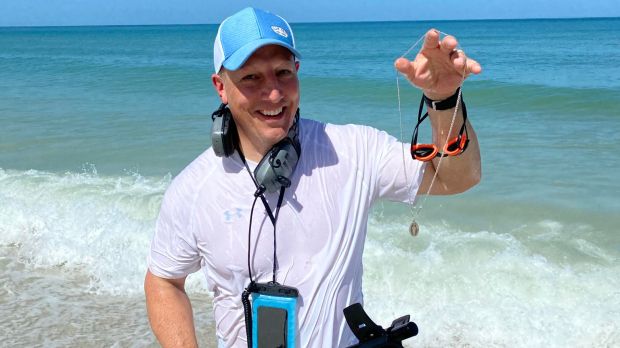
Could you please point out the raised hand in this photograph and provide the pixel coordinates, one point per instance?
(438, 69)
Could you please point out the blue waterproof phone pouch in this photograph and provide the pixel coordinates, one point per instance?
(274, 315)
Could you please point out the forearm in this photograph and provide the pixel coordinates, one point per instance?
(170, 312)
(457, 173)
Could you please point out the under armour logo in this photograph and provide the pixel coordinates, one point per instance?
(231, 215)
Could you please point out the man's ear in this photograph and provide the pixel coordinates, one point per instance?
(297, 65)
(218, 84)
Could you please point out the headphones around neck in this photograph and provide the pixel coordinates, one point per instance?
(276, 168)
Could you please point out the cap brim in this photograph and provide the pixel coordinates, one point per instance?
(237, 59)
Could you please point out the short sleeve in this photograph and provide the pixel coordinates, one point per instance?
(398, 175)
(174, 253)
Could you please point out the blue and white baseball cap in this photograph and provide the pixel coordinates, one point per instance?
(246, 31)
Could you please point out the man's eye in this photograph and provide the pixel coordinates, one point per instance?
(284, 72)
(249, 77)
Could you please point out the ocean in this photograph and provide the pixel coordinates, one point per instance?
(96, 121)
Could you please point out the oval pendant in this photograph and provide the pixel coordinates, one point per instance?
(414, 228)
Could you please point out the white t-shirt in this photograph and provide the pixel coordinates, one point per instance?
(204, 217)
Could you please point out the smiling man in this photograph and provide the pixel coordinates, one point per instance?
(316, 183)
(263, 97)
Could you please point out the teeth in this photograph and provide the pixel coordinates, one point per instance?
(271, 112)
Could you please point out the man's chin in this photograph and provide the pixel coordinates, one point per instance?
(276, 137)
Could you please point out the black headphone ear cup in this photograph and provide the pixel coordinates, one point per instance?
(232, 138)
(276, 169)
(223, 135)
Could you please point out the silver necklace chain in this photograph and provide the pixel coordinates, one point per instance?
(414, 228)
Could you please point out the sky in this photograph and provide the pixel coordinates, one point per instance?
(136, 12)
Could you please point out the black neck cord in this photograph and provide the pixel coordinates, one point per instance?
(250, 237)
(246, 293)
(260, 189)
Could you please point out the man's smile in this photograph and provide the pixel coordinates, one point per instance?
(272, 113)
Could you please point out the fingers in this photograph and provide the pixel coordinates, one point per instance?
(459, 59)
(464, 64)
(433, 60)
(432, 41)
(405, 67)
(473, 67)
(448, 44)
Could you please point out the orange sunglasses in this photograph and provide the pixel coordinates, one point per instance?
(454, 147)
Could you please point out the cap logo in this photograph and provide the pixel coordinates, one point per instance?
(279, 31)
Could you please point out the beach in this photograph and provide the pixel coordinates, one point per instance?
(95, 122)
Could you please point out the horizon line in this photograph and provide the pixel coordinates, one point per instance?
(312, 22)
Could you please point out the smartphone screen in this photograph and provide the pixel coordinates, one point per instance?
(272, 327)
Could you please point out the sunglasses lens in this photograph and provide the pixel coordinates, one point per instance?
(456, 146)
(423, 152)
(452, 147)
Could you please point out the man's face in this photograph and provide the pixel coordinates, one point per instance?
(263, 96)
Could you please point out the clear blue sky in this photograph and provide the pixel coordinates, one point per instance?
(109, 12)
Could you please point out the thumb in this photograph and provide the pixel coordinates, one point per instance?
(405, 67)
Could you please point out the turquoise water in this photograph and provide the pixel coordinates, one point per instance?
(94, 122)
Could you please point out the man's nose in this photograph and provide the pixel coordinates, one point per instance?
(273, 89)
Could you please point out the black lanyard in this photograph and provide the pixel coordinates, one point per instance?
(260, 190)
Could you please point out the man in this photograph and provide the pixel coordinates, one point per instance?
(208, 220)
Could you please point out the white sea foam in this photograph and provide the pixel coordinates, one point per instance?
(491, 289)
(99, 226)
(84, 222)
